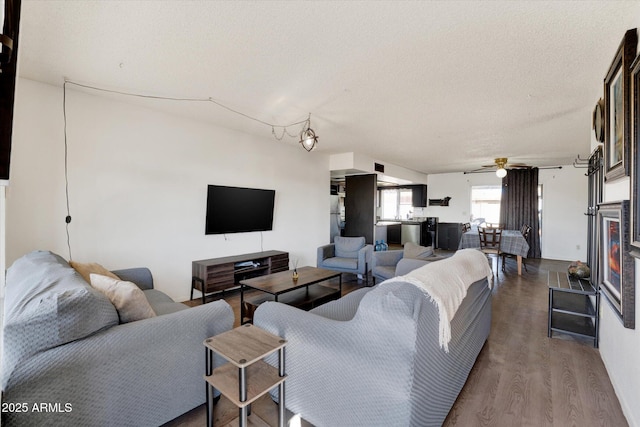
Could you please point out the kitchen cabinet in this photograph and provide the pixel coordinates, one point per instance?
(394, 234)
(449, 234)
(419, 196)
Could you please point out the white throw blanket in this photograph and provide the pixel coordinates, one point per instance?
(446, 283)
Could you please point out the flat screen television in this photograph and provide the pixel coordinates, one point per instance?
(238, 210)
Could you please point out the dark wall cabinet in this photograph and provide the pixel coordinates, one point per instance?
(449, 234)
(419, 196)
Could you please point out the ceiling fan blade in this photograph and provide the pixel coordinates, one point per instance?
(506, 165)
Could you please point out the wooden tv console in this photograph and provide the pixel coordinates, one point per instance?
(220, 274)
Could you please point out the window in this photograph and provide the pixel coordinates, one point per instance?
(396, 203)
(485, 204)
(540, 213)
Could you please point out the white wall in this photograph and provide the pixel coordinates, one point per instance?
(137, 186)
(350, 163)
(620, 347)
(458, 187)
(564, 224)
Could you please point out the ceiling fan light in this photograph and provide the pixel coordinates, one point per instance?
(501, 172)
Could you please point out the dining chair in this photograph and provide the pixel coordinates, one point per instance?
(524, 230)
(493, 225)
(490, 239)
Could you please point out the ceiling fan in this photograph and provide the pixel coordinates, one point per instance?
(501, 167)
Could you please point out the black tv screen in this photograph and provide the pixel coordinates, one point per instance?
(238, 210)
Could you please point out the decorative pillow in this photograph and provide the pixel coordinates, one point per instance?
(128, 298)
(411, 250)
(85, 270)
(48, 304)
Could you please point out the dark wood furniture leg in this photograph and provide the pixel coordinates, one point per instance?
(193, 285)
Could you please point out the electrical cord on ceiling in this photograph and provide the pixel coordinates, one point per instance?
(209, 99)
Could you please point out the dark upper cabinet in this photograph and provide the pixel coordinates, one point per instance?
(419, 196)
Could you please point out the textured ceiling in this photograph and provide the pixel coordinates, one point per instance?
(432, 86)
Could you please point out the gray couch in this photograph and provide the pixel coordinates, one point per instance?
(64, 347)
(374, 357)
(388, 264)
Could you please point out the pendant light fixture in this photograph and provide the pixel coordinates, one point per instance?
(308, 137)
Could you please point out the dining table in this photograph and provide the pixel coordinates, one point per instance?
(512, 242)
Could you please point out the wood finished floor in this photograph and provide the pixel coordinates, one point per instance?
(521, 377)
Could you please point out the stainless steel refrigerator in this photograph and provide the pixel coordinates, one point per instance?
(336, 222)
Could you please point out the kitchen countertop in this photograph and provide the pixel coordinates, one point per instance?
(385, 223)
(409, 222)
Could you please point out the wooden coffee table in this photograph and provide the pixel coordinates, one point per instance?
(306, 292)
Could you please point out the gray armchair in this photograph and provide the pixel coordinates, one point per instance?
(388, 264)
(347, 255)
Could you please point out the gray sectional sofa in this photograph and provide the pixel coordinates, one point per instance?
(379, 356)
(68, 361)
(388, 264)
